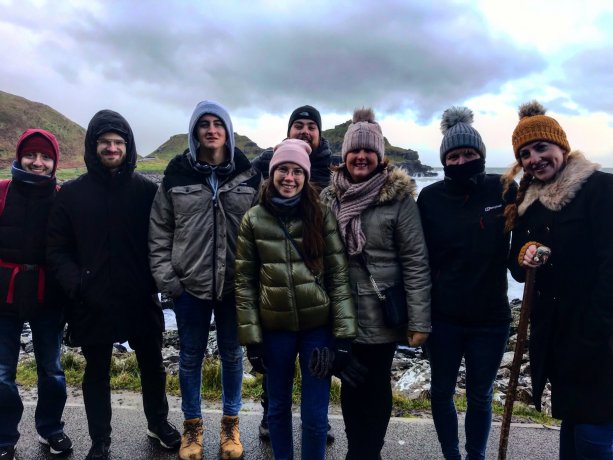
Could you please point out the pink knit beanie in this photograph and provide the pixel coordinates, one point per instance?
(291, 151)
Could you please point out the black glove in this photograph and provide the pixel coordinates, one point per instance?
(255, 355)
(320, 362)
(342, 355)
(354, 373)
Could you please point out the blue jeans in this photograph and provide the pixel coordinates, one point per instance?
(47, 331)
(193, 324)
(280, 350)
(482, 349)
(584, 441)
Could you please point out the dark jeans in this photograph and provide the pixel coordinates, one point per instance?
(367, 409)
(97, 388)
(482, 349)
(47, 331)
(193, 323)
(585, 441)
(280, 350)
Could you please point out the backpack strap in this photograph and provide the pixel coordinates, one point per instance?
(4, 191)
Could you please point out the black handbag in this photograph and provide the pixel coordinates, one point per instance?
(393, 301)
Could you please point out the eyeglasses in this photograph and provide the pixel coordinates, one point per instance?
(109, 142)
(285, 171)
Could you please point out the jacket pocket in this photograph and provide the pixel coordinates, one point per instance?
(368, 305)
(238, 200)
(187, 200)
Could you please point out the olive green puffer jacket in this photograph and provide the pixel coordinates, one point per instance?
(275, 290)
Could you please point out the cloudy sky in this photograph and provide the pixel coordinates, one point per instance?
(154, 60)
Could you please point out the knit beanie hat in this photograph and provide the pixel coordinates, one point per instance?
(291, 151)
(534, 126)
(363, 133)
(308, 113)
(458, 132)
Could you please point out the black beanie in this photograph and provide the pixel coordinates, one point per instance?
(307, 112)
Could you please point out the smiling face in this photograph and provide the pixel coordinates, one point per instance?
(361, 164)
(211, 134)
(37, 163)
(288, 179)
(541, 159)
(111, 150)
(305, 130)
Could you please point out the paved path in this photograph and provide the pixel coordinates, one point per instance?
(407, 439)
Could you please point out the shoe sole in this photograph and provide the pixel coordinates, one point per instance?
(152, 435)
(51, 449)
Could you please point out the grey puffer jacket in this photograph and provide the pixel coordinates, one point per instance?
(192, 233)
(396, 252)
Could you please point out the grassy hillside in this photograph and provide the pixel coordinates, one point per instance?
(18, 114)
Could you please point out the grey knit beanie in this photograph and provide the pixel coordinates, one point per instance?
(363, 133)
(458, 132)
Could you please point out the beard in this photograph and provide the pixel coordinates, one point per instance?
(308, 139)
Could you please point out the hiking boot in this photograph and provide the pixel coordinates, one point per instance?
(166, 433)
(263, 428)
(58, 443)
(191, 441)
(7, 452)
(100, 450)
(230, 447)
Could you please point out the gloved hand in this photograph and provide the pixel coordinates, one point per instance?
(354, 374)
(255, 355)
(320, 362)
(342, 355)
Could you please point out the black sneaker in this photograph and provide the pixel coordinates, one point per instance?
(7, 452)
(263, 428)
(166, 433)
(100, 450)
(58, 443)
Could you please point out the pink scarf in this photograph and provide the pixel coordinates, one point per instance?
(351, 200)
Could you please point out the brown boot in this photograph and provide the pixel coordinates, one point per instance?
(191, 441)
(230, 447)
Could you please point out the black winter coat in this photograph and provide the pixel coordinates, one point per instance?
(571, 329)
(97, 245)
(23, 230)
(468, 249)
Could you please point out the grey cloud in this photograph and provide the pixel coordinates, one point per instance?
(393, 56)
(587, 79)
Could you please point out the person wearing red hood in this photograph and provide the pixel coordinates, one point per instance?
(29, 293)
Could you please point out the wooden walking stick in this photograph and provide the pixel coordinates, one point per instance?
(522, 333)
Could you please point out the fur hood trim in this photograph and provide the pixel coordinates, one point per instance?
(557, 194)
(399, 184)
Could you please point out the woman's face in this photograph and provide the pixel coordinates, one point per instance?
(37, 163)
(288, 179)
(542, 159)
(361, 164)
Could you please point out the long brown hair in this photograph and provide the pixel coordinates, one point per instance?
(510, 210)
(312, 222)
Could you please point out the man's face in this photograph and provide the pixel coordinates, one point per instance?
(305, 130)
(211, 133)
(111, 150)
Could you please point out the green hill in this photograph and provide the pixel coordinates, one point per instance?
(18, 114)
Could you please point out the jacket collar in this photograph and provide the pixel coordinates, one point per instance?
(558, 193)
